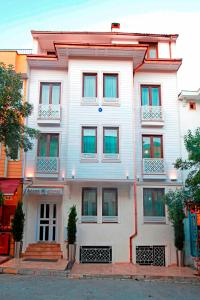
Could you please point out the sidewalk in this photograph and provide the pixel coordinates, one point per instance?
(19, 266)
(131, 271)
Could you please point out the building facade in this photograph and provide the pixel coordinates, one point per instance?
(11, 171)
(106, 106)
(189, 112)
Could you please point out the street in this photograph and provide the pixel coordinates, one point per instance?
(43, 288)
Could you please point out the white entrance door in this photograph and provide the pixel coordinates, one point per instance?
(47, 222)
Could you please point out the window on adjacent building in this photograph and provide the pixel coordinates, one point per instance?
(111, 140)
(50, 93)
(150, 95)
(89, 141)
(152, 146)
(110, 86)
(89, 204)
(153, 202)
(48, 145)
(89, 85)
(109, 205)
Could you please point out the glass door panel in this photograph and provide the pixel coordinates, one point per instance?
(157, 147)
(47, 222)
(146, 144)
(145, 96)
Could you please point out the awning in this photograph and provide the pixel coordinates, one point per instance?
(9, 186)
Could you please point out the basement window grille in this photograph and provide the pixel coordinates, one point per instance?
(96, 254)
(150, 255)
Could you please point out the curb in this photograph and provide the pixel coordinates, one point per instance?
(34, 272)
(177, 279)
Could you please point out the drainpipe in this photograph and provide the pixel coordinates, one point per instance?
(135, 230)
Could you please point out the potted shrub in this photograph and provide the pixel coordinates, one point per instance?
(18, 228)
(175, 204)
(1, 206)
(71, 233)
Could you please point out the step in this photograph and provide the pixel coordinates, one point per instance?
(44, 256)
(43, 249)
(43, 245)
(38, 253)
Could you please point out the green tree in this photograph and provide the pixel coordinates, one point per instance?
(71, 226)
(175, 204)
(18, 223)
(192, 164)
(13, 110)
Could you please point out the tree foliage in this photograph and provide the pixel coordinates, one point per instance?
(71, 226)
(175, 204)
(18, 223)
(13, 110)
(192, 164)
(1, 198)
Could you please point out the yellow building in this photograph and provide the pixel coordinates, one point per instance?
(11, 171)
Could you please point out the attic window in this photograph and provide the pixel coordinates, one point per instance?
(192, 105)
(51, 53)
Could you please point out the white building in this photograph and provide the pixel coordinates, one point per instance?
(189, 116)
(106, 106)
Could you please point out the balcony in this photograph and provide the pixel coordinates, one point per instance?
(47, 166)
(49, 113)
(153, 168)
(152, 116)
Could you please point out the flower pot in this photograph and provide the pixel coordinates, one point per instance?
(180, 258)
(17, 249)
(71, 252)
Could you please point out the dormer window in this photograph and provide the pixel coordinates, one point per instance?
(152, 51)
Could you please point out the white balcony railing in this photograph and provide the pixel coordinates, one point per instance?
(48, 112)
(153, 166)
(47, 165)
(151, 113)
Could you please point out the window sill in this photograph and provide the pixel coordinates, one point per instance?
(89, 160)
(109, 160)
(89, 101)
(89, 219)
(110, 219)
(154, 220)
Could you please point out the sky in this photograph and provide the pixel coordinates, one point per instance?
(19, 17)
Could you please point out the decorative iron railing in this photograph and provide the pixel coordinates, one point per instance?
(153, 166)
(49, 112)
(151, 113)
(47, 165)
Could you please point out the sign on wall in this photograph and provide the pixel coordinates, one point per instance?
(44, 191)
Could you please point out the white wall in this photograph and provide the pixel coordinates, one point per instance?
(37, 76)
(80, 115)
(170, 130)
(104, 234)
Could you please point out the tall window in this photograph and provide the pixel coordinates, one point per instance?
(89, 85)
(153, 202)
(150, 95)
(152, 146)
(110, 85)
(89, 140)
(109, 205)
(50, 93)
(48, 145)
(111, 140)
(89, 203)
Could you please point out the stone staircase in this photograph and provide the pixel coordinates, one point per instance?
(43, 251)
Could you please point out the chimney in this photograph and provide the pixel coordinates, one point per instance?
(115, 27)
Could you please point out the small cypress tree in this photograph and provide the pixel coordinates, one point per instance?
(71, 226)
(18, 223)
